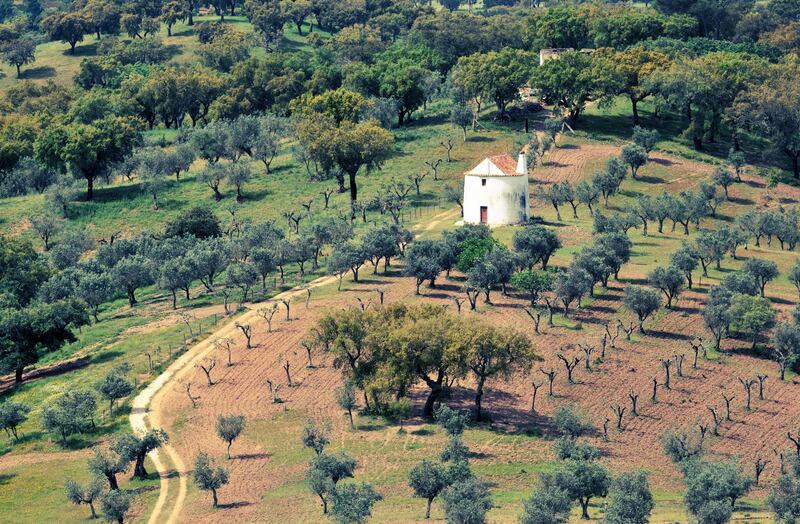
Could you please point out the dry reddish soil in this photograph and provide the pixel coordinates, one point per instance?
(628, 368)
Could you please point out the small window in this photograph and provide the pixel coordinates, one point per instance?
(483, 181)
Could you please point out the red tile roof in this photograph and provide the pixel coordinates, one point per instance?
(506, 164)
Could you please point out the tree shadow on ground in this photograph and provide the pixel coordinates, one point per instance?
(650, 179)
(37, 73)
(253, 456)
(5, 478)
(234, 505)
(667, 335)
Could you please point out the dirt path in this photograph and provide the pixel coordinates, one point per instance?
(264, 474)
(146, 407)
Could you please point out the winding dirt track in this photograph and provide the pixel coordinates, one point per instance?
(145, 408)
(144, 412)
(627, 370)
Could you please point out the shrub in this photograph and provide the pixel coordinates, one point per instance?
(570, 422)
(200, 222)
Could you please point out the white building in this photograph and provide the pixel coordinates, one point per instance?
(496, 191)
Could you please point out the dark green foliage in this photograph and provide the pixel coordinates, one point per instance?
(785, 342)
(686, 259)
(569, 448)
(549, 504)
(571, 286)
(570, 422)
(132, 273)
(762, 270)
(380, 243)
(645, 138)
(423, 262)
(698, 46)
(427, 479)
(207, 477)
(582, 480)
(642, 301)
(79, 494)
(455, 451)
(242, 275)
(347, 256)
(199, 222)
(12, 414)
(335, 466)
(116, 504)
(467, 502)
(714, 481)
(229, 427)
(115, 386)
(346, 399)
(108, 463)
(326, 471)
(635, 156)
(750, 316)
(536, 244)
(315, 436)
(72, 412)
(669, 280)
(135, 448)
(453, 421)
(630, 499)
(352, 503)
(784, 497)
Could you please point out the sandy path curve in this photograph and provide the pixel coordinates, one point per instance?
(145, 407)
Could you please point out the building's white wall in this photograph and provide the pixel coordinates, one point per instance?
(506, 198)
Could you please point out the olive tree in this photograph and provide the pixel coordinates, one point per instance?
(346, 399)
(115, 386)
(548, 504)
(229, 427)
(762, 270)
(209, 478)
(669, 280)
(352, 503)
(642, 301)
(467, 501)
(428, 479)
(85, 494)
(135, 448)
(582, 480)
(132, 273)
(12, 414)
(536, 244)
(714, 481)
(630, 499)
(70, 413)
(108, 463)
(751, 316)
(423, 262)
(495, 353)
(635, 157)
(784, 497)
(325, 473)
(116, 504)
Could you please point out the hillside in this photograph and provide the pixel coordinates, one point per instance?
(244, 218)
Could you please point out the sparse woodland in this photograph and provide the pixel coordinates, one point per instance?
(264, 199)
